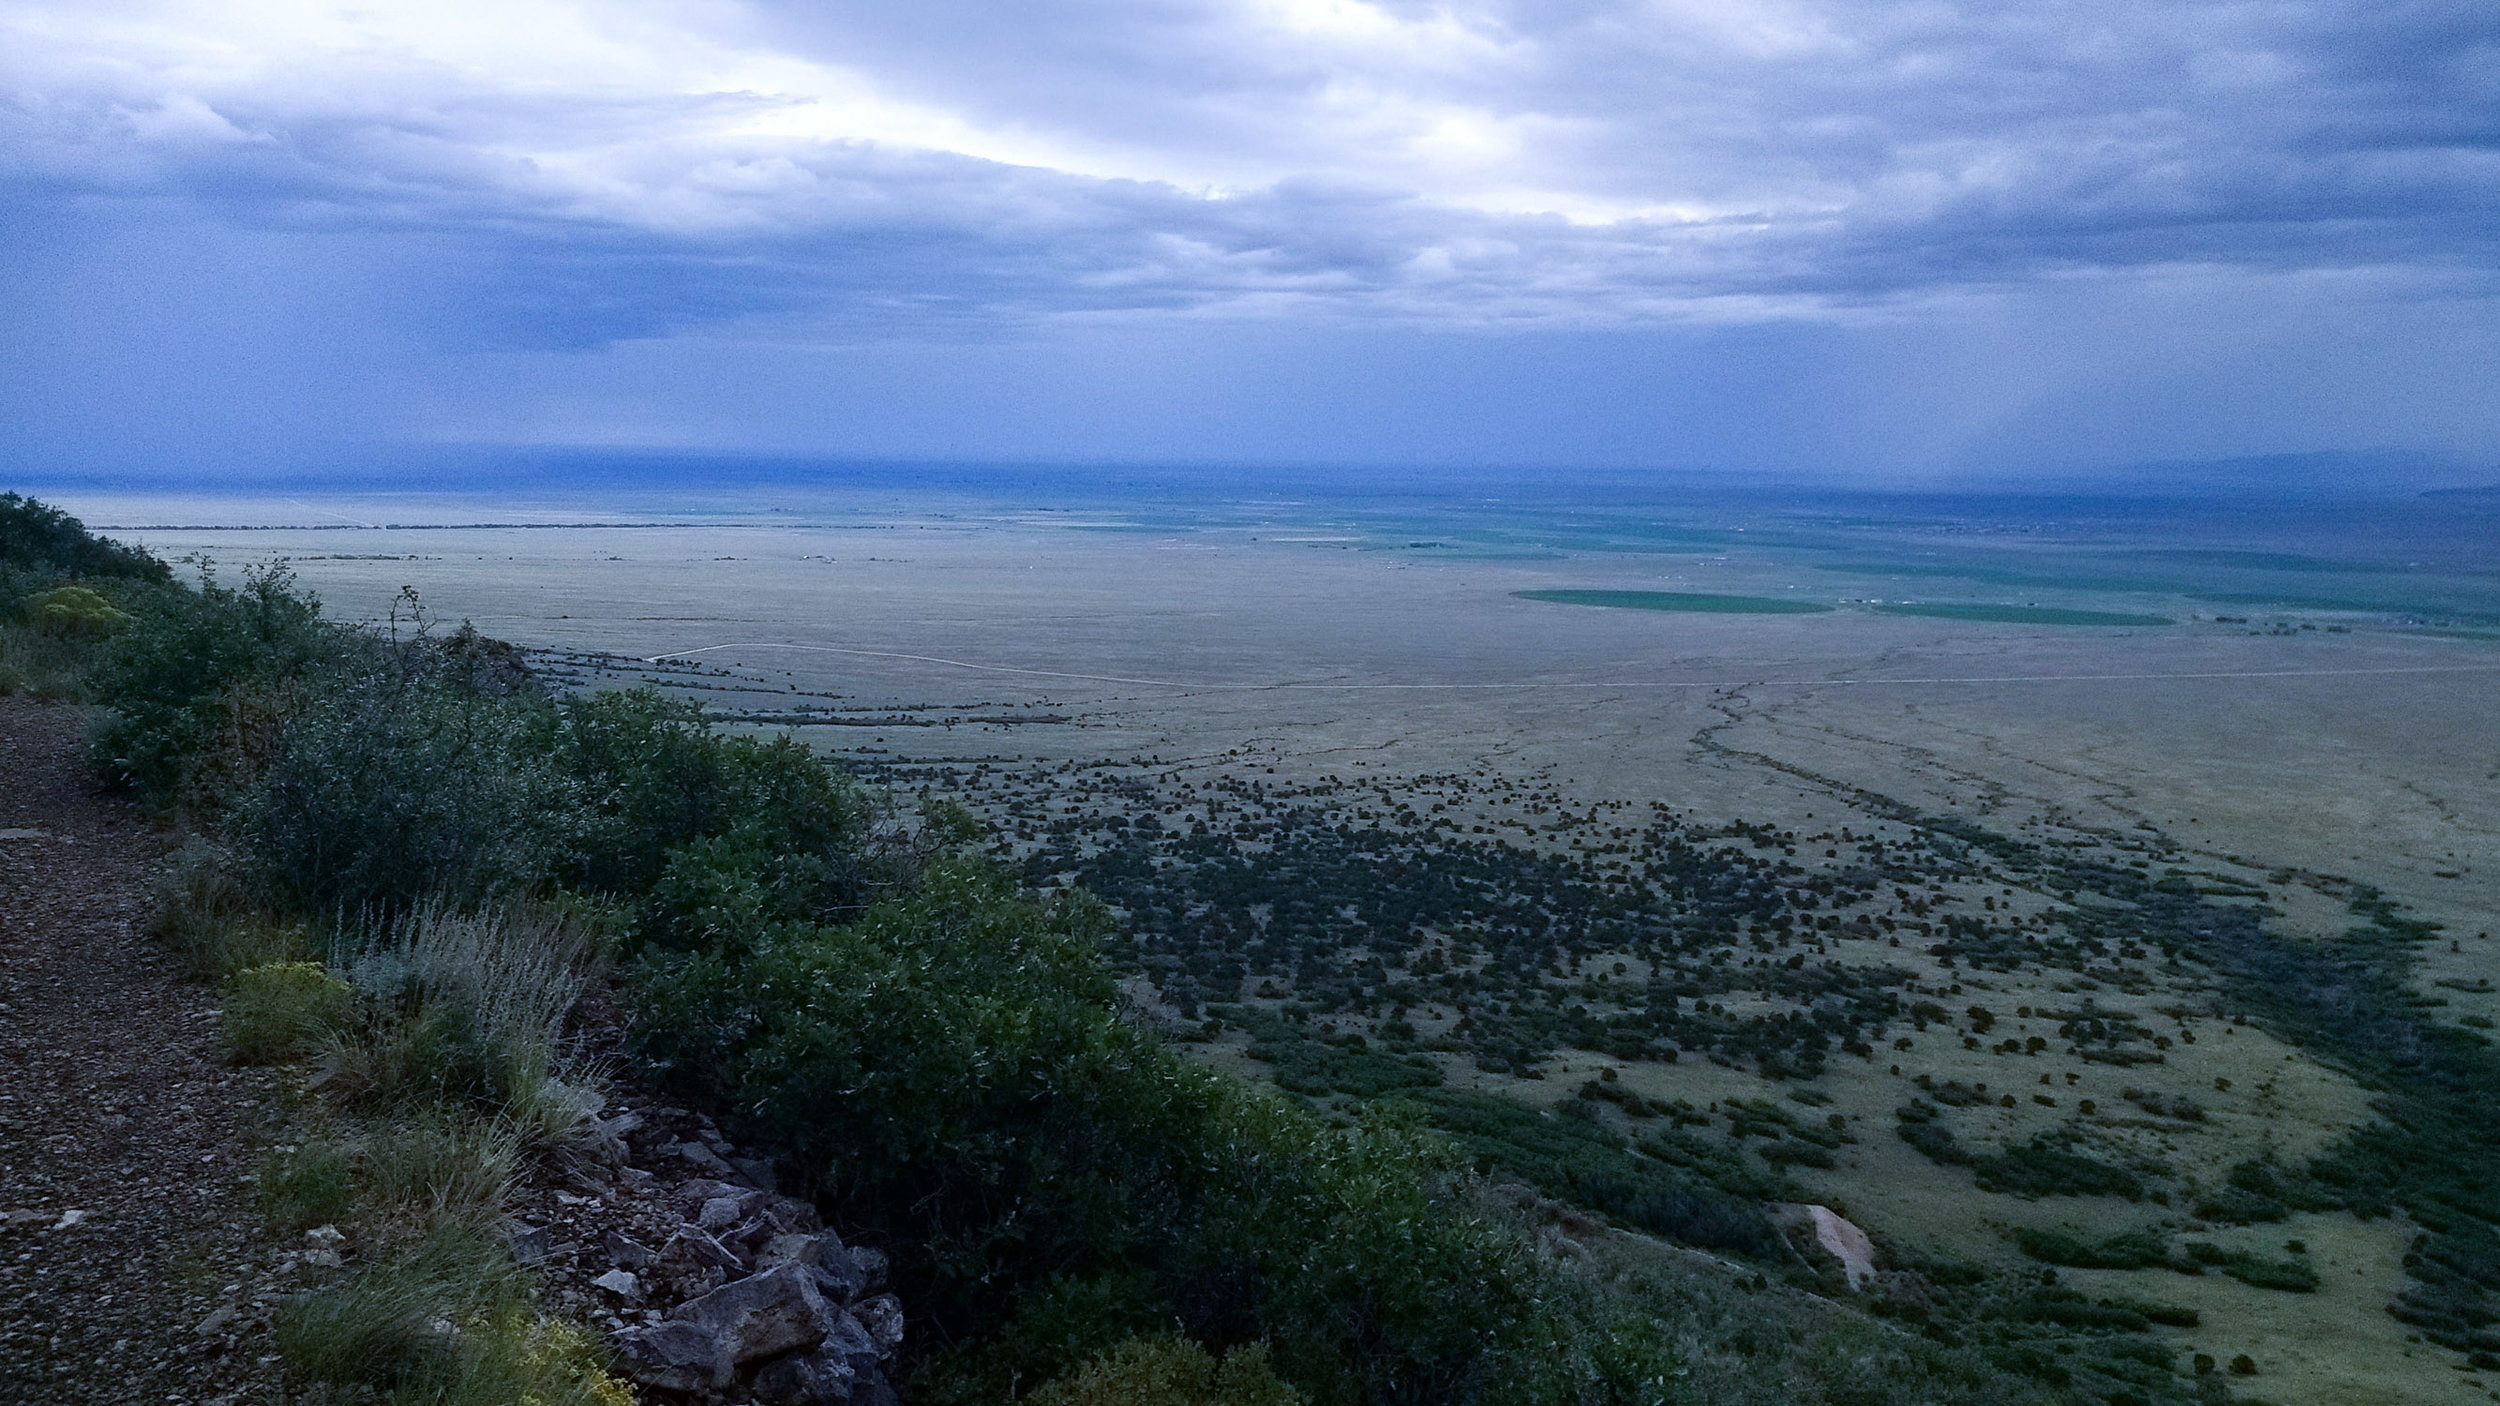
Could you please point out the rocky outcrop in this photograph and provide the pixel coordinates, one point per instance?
(793, 1317)
(714, 1287)
(1828, 1241)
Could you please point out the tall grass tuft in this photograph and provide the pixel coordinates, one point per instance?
(439, 1168)
(281, 1011)
(396, 1319)
(308, 1183)
(442, 1321)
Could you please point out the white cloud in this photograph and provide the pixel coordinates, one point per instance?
(1548, 160)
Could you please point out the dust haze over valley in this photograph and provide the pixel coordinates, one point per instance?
(1945, 746)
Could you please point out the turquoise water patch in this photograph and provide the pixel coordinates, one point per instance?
(1688, 602)
(2023, 615)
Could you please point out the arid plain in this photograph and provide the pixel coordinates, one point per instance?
(2276, 751)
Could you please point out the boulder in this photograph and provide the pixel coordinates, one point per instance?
(693, 1247)
(882, 1319)
(871, 1265)
(762, 1316)
(692, 1264)
(791, 1216)
(674, 1356)
(748, 1237)
(806, 1251)
(843, 1370)
(1845, 1243)
(719, 1213)
(626, 1252)
(534, 1243)
(843, 1274)
(708, 1162)
(1827, 1241)
(693, 1192)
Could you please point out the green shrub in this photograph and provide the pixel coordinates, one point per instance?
(727, 893)
(391, 787)
(954, 1063)
(2168, 1315)
(1307, 1066)
(2289, 1276)
(2128, 1249)
(1670, 1183)
(281, 1011)
(1170, 1372)
(73, 612)
(650, 777)
(167, 678)
(2043, 1167)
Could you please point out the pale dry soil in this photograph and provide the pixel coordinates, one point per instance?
(2254, 760)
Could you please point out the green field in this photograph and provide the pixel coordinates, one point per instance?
(1686, 601)
(2023, 615)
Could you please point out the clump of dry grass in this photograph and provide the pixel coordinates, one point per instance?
(473, 1008)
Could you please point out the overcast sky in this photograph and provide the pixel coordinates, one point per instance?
(1860, 239)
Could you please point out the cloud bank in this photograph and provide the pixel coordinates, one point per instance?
(1798, 235)
(624, 169)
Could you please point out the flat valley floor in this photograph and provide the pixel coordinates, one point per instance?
(2270, 749)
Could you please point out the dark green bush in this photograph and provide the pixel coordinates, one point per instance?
(651, 777)
(2289, 1276)
(195, 682)
(1169, 1372)
(39, 537)
(2131, 1249)
(953, 1062)
(2041, 1167)
(1316, 1069)
(394, 784)
(1684, 1187)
